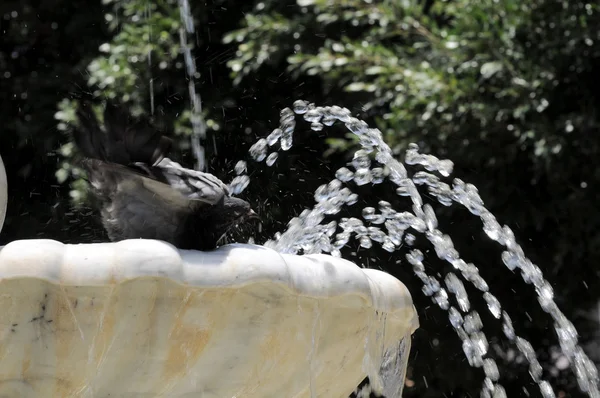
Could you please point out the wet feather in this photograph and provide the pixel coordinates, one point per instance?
(143, 193)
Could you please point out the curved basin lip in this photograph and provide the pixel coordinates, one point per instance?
(229, 266)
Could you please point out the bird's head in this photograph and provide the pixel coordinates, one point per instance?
(206, 228)
(223, 219)
(235, 211)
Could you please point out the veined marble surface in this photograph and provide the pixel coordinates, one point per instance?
(140, 318)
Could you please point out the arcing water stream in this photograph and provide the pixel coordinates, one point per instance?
(390, 228)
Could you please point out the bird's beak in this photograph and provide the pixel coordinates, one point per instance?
(252, 215)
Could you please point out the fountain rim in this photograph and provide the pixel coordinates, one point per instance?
(231, 266)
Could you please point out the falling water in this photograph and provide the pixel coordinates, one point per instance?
(393, 368)
(3, 193)
(151, 79)
(198, 123)
(390, 228)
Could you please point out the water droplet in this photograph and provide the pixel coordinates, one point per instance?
(402, 191)
(418, 225)
(545, 295)
(415, 256)
(455, 317)
(499, 392)
(431, 286)
(507, 326)
(546, 390)
(352, 199)
(239, 184)
(376, 234)
(430, 218)
(272, 158)
(441, 299)
(274, 137)
(300, 107)
(491, 369)
(388, 245)
(423, 177)
(328, 120)
(313, 116)
(240, 167)
(368, 212)
(258, 151)
(445, 167)
(356, 126)
(491, 226)
(361, 160)
(342, 114)
(344, 174)
(383, 157)
(336, 253)
(473, 323)
(286, 113)
(456, 286)
(493, 304)
(481, 345)
(378, 175)
(511, 260)
(362, 176)
(286, 142)
(316, 126)
(365, 242)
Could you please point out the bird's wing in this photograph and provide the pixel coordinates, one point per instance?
(194, 185)
(125, 140)
(133, 140)
(90, 140)
(176, 185)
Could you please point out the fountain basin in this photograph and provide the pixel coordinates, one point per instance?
(140, 318)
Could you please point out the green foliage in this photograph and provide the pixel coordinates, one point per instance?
(144, 47)
(146, 38)
(455, 76)
(253, 52)
(424, 75)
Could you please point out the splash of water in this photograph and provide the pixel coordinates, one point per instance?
(198, 123)
(390, 228)
(393, 368)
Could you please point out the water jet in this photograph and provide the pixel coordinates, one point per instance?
(393, 229)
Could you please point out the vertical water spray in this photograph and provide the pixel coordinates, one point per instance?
(3, 193)
(390, 228)
(151, 79)
(198, 123)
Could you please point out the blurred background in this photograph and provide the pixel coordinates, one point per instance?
(508, 90)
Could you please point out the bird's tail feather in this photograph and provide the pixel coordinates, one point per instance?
(123, 140)
(111, 154)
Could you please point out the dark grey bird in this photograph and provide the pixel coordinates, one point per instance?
(144, 194)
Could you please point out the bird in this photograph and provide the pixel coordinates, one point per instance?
(144, 194)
